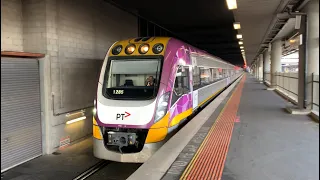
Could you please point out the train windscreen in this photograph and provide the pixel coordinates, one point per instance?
(132, 78)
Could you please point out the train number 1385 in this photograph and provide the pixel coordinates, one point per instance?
(118, 91)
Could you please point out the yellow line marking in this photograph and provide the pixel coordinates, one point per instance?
(191, 164)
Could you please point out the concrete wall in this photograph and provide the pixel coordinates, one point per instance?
(75, 36)
(11, 25)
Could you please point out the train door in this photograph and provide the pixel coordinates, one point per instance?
(181, 83)
(195, 82)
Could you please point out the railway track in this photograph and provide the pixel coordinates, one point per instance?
(92, 170)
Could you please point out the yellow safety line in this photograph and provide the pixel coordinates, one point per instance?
(189, 167)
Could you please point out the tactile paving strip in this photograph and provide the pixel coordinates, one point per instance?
(208, 162)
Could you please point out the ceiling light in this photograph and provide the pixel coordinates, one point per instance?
(239, 36)
(241, 47)
(232, 4)
(240, 42)
(242, 50)
(236, 25)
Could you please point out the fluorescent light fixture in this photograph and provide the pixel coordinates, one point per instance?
(240, 42)
(241, 47)
(76, 120)
(239, 36)
(232, 4)
(292, 40)
(71, 114)
(236, 25)
(242, 50)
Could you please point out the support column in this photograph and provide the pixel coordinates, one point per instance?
(261, 68)
(302, 68)
(276, 52)
(256, 70)
(312, 45)
(252, 68)
(266, 64)
(308, 57)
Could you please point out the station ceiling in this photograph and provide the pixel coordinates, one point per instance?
(205, 24)
(208, 24)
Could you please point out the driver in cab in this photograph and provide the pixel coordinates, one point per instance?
(150, 81)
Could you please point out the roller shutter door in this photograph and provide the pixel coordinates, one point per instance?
(20, 111)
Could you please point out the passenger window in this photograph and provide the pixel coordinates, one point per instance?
(223, 73)
(220, 73)
(205, 76)
(214, 75)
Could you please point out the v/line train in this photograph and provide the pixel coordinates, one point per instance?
(147, 88)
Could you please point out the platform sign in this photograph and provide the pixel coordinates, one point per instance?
(195, 99)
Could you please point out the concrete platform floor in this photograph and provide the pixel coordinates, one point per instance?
(268, 143)
(67, 164)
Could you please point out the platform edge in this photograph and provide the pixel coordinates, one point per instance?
(160, 162)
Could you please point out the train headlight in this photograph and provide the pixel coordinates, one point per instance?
(94, 111)
(157, 48)
(164, 103)
(116, 50)
(162, 106)
(144, 48)
(160, 113)
(130, 48)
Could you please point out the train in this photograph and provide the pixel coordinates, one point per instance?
(149, 86)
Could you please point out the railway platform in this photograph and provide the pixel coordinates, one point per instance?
(244, 134)
(75, 162)
(66, 163)
(249, 136)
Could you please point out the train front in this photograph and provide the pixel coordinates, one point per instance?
(130, 115)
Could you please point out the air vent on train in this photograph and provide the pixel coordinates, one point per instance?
(145, 39)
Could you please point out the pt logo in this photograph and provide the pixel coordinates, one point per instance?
(122, 116)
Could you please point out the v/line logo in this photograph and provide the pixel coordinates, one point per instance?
(122, 116)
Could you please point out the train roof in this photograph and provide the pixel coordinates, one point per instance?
(164, 40)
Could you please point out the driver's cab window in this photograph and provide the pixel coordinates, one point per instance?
(181, 83)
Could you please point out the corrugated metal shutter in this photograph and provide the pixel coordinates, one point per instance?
(20, 111)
